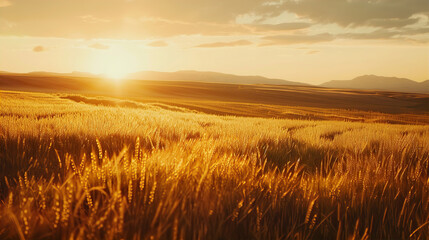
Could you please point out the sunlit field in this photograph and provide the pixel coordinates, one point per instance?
(80, 167)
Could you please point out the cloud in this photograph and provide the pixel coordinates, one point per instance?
(5, 3)
(378, 34)
(191, 11)
(280, 27)
(225, 44)
(39, 49)
(146, 19)
(386, 34)
(132, 19)
(378, 13)
(414, 31)
(167, 28)
(92, 19)
(297, 39)
(392, 22)
(157, 44)
(127, 28)
(99, 46)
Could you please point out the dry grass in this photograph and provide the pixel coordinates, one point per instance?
(125, 169)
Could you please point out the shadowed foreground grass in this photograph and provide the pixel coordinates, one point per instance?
(79, 171)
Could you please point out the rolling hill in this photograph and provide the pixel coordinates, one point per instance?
(205, 97)
(213, 77)
(372, 82)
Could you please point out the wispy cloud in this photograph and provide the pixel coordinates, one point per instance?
(39, 49)
(225, 44)
(280, 27)
(296, 39)
(157, 44)
(93, 19)
(381, 13)
(99, 46)
(386, 34)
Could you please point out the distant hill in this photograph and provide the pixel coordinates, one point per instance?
(54, 74)
(372, 82)
(72, 74)
(209, 77)
(366, 82)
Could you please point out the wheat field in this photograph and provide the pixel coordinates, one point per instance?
(72, 170)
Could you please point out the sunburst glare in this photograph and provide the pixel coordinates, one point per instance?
(114, 64)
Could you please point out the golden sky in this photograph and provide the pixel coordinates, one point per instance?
(299, 40)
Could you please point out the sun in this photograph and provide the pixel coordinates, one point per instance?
(114, 64)
(116, 74)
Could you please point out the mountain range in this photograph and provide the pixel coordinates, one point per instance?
(366, 82)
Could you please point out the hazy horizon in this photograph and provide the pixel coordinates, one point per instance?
(306, 41)
(127, 76)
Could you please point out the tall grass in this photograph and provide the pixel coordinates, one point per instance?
(79, 171)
